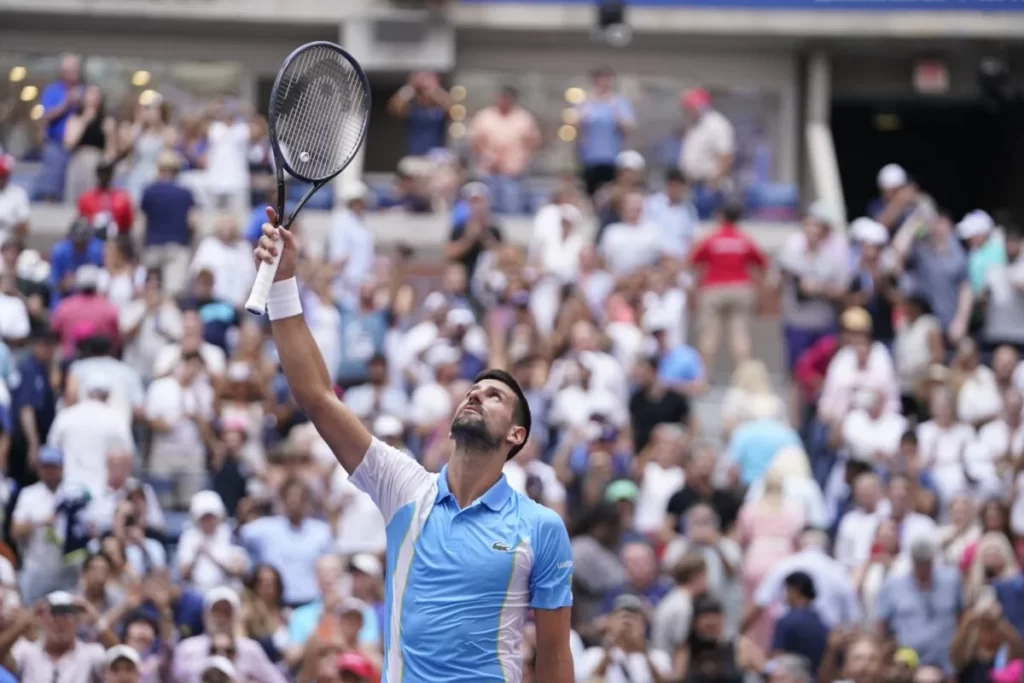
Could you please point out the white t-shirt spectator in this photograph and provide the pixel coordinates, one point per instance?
(657, 486)
(979, 398)
(625, 668)
(126, 389)
(942, 451)
(156, 330)
(37, 504)
(169, 401)
(81, 664)
(866, 437)
(227, 157)
(704, 146)
(360, 526)
(170, 355)
(218, 551)
(15, 207)
(232, 267)
(628, 248)
(85, 432)
(14, 322)
(844, 378)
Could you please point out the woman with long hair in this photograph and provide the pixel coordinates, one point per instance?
(750, 397)
(768, 529)
(993, 560)
(90, 138)
(122, 276)
(264, 615)
(798, 485)
(869, 577)
(142, 141)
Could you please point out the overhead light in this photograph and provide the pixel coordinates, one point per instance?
(457, 112)
(575, 95)
(458, 93)
(148, 97)
(29, 93)
(570, 116)
(140, 79)
(18, 74)
(457, 130)
(37, 112)
(567, 133)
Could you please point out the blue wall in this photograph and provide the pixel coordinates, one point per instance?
(865, 5)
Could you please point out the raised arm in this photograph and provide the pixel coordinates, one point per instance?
(302, 362)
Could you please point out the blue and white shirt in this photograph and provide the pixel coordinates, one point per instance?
(460, 582)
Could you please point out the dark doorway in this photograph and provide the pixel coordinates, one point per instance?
(957, 152)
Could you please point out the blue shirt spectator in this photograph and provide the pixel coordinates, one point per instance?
(305, 619)
(601, 132)
(674, 214)
(754, 444)
(80, 247)
(1010, 594)
(53, 97)
(801, 631)
(290, 548)
(426, 127)
(681, 365)
(167, 206)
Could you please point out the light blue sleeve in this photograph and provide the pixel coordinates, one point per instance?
(626, 109)
(694, 368)
(303, 623)
(551, 578)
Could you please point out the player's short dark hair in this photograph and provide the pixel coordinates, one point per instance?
(521, 415)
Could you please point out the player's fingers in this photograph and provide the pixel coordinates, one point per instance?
(287, 238)
(271, 215)
(268, 245)
(264, 256)
(269, 230)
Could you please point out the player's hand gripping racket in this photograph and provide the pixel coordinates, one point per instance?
(319, 108)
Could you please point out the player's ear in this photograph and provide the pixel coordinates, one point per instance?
(516, 435)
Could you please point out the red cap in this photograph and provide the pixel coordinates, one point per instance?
(358, 664)
(6, 164)
(695, 98)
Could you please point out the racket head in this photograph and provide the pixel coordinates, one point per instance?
(319, 112)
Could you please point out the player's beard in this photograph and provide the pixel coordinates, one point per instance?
(469, 431)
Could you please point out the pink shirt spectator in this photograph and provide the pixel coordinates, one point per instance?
(505, 143)
(81, 316)
(252, 662)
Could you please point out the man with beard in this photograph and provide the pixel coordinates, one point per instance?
(466, 555)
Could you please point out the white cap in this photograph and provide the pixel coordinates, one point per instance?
(60, 599)
(571, 214)
(475, 189)
(221, 594)
(975, 224)
(352, 605)
(87, 275)
(892, 177)
(121, 652)
(221, 664)
(655, 321)
(630, 159)
(867, 231)
(350, 192)
(31, 266)
(822, 212)
(442, 354)
(434, 301)
(97, 382)
(387, 426)
(238, 371)
(460, 317)
(206, 503)
(367, 564)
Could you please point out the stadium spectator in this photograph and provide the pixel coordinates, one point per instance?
(606, 120)
(709, 149)
(105, 206)
(171, 223)
(60, 100)
(424, 104)
(350, 244)
(231, 131)
(504, 139)
(79, 248)
(90, 138)
(141, 142)
(15, 209)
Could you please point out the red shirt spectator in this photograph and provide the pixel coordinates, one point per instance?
(84, 314)
(811, 366)
(105, 199)
(726, 256)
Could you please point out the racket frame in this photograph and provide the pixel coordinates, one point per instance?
(257, 301)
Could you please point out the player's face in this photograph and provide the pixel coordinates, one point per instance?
(484, 417)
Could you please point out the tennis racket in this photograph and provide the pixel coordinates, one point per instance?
(319, 109)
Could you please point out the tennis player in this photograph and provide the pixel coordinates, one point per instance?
(467, 556)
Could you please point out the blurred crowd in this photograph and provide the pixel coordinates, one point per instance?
(170, 515)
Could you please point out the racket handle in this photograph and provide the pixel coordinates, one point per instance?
(257, 301)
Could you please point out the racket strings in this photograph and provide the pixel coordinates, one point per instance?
(321, 108)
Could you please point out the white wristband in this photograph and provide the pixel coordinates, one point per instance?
(283, 300)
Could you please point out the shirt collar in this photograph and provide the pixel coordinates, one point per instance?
(494, 498)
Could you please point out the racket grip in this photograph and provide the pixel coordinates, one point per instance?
(257, 301)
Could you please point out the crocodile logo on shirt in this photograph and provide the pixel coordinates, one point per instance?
(500, 547)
